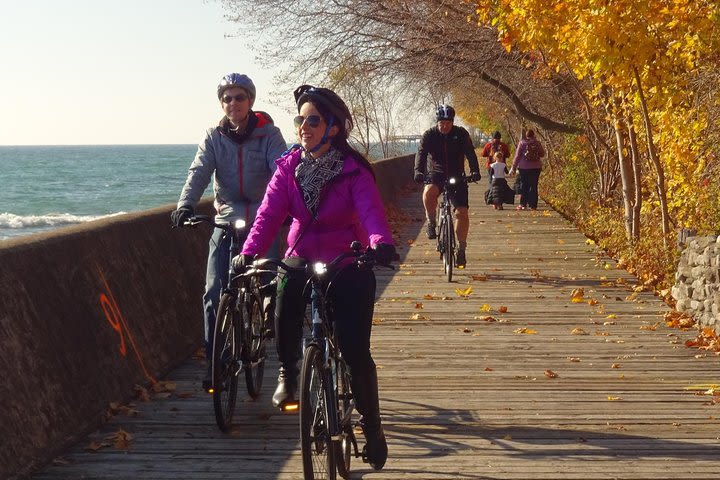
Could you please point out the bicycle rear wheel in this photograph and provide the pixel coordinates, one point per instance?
(318, 452)
(346, 405)
(254, 340)
(225, 361)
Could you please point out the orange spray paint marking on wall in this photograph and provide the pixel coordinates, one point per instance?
(118, 323)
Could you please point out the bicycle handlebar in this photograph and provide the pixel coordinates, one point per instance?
(198, 219)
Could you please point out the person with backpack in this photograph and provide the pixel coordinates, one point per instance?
(489, 150)
(528, 162)
(239, 155)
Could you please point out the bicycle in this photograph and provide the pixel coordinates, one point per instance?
(327, 436)
(446, 229)
(240, 333)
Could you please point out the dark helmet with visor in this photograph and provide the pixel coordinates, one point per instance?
(329, 104)
(445, 112)
(236, 80)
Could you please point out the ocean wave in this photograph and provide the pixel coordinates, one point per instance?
(10, 220)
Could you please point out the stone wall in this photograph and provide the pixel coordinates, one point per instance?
(697, 281)
(88, 311)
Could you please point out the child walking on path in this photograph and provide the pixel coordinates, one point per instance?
(499, 191)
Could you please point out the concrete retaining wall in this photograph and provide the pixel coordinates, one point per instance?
(87, 312)
(697, 281)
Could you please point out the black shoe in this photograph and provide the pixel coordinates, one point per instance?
(375, 451)
(460, 259)
(431, 232)
(207, 383)
(285, 393)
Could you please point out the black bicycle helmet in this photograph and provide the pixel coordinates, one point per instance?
(445, 112)
(329, 103)
(236, 80)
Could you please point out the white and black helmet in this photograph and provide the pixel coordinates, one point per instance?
(445, 112)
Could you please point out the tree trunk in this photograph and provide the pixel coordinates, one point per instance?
(660, 171)
(637, 176)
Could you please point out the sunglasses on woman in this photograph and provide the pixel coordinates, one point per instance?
(238, 98)
(312, 120)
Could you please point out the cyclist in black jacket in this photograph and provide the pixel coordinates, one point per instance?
(442, 154)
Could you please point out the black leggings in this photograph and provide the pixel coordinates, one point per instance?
(352, 297)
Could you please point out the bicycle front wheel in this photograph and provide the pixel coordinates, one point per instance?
(225, 360)
(318, 452)
(449, 241)
(254, 340)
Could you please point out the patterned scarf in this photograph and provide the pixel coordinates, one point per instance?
(313, 174)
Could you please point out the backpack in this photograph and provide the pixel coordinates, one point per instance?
(533, 152)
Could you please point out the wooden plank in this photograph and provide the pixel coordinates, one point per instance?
(465, 398)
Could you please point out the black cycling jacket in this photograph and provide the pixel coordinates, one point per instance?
(445, 154)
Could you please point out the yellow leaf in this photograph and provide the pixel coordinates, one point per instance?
(578, 331)
(612, 398)
(417, 316)
(528, 331)
(576, 296)
(485, 307)
(611, 316)
(464, 293)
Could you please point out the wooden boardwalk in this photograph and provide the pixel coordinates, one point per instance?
(510, 381)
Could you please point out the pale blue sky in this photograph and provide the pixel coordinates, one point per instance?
(119, 71)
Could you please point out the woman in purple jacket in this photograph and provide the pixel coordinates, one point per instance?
(328, 188)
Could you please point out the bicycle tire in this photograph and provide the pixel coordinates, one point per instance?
(225, 361)
(254, 343)
(318, 451)
(449, 247)
(346, 404)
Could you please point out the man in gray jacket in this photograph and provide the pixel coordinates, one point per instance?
(240, 152)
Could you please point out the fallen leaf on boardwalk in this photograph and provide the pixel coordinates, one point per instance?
(550, 374)
(525, 330)
(507, 437)
(615, 365)
(377, 321)
(479, 278)
(487, 318)
(601, 334)
(163, 386)
(649, 327)
(410, 242)
(589, 242)
(464, 293)
(573, 359)
(419, 305)
(467, 330)
(428, 296)
(121, 439)
(608, 323)
(95, 446)
(578, 331)
(592, 302)
(707, 388)
(488, 369)
(612, 399)
(485, 307)
(612, 315)
(502, 309)
(560, 241)
(417, 316)
(576, 296)
(141, 393)
(675, 319)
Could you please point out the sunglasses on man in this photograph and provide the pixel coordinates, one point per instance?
(238, 98)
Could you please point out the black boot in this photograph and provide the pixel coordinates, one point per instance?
(286, 391)
(365, 391)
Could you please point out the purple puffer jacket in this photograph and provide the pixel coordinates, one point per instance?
(521, 161)
(350, 209)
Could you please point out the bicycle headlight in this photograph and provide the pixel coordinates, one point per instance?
(319, 268)
(239, 224)
(452, 181)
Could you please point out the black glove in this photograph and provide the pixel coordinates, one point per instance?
(241, 262)
(420, 177)
(385, 253)
(178, 217)
(474, 176)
